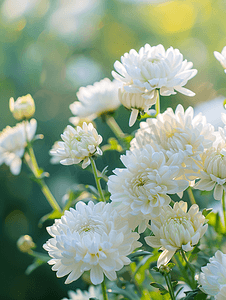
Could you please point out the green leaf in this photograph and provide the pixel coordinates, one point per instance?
(215, 221)
(53, 215)
(192, 294)
(138, 253)
(180, 289)
(128, 292)
(161, 288)
(39, 260)
(206, 211)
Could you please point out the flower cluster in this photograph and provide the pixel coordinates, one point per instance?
(78, 145)
(90, 237)
(93, 292)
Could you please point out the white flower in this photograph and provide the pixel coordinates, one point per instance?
(93, 292)
(78, 145)
(180, 136)
(142, 187)
(97, 99)
(150, 70)
(213, 166)
(23, 107)
(176, 229)
(13, 143)
(92, 237)
(213, 276)
(221, 57)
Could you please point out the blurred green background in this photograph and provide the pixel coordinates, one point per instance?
(51, 48)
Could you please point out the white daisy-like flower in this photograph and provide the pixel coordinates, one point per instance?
(142, 187)
(180, 136)
(79, 144)
(149, 70)
(221, 57)
(13, 143)
(23, 107)
(97, 99)
(93, 292)
(176, 229)
(92, 237)
(213, 276)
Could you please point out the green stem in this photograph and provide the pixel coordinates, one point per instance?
(115, 127)
(182, 270)
(157, 104)
(104, 290)
(190, 268)
(223, 208)
(191, 195)
(97, 179)
(170, 287)
(33, 165)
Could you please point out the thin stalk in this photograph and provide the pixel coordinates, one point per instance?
(223, 208)
(182, 270)
(33, 165)
(115, 127)
(157, 104)
(170, 287)
(104, 290)
(190, 268)
(97, 179)
(191, 195)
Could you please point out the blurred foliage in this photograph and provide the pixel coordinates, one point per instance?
(49, 49)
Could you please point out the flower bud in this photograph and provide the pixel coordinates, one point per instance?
(25, 243)
(23, 107)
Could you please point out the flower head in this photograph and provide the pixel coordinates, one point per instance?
(142, 187)
(180, 136)
(92, 237)
(221, 57)
(79, 144)
(97, 99)
(176, 229)
(25, 243)
(93, 292)
(151, 69)
(23, 107)
(213, 276)
(13, 143)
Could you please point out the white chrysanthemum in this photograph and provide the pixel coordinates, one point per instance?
(142, 187)
(23, 107)
(78, 145)
(93, 292)
(221, 57)
(213, 276)
(222, 294)
(176, 229)
(13, 143)
(180, 136)
(149, 70)
(97, 99)
(92, 237)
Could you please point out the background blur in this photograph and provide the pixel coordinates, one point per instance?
(51, 48)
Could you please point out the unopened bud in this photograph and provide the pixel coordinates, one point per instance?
(23, 107)
(25, 243)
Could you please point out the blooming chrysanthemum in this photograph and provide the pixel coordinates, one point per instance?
(150, 70)
(180, 136)
(92, 237)
(176, 229)
(93, 292)
(13, 143)
(97, 99)
(142, 187)
(221, 57)
(79, 144)
(23, 107)
(213, 276)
